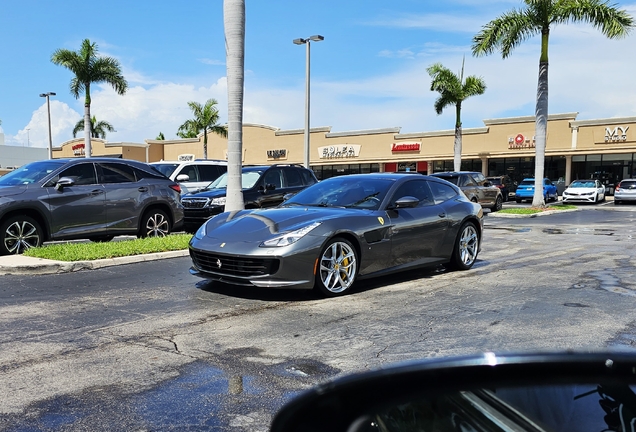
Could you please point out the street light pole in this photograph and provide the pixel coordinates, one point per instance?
(48, 108)
(301, 41)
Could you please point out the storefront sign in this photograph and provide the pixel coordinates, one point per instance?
(405, 147)
(277, 154)
(407, 167)
(339, 151)
(520, 142)
(618, 134)
(185, 157)
(78, 150)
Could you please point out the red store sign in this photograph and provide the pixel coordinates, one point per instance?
(405, 147)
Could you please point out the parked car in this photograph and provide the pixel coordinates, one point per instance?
(96, 199)
(339, 230)
(505, 184)
(263, 186)
(476, 188)
(591, 191)
(525, 191)
(192, 175)
(625, 191)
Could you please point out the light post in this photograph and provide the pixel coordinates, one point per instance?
(48, 108)
(300, 41)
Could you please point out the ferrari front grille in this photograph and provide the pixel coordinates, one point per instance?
(230, 265)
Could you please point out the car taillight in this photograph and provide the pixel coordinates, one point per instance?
(175, 187)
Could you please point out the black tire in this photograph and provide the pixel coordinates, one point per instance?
(154, 223)
(19, 233)
(616, 202)
(498, 204)
(518, 200)
(466, 247)
(102, 239)
(337, 267)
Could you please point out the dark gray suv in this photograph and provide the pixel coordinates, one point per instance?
(476, 188)
(88, 198)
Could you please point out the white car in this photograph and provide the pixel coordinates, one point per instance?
(591, 191)
(191, 174)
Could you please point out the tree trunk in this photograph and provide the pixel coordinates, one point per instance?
(540, 135)
(234, 24)
(88, 130)
(457, 159)
(205, 143)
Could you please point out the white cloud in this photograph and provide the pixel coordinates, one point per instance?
(36, 132)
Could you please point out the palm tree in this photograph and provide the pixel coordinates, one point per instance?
(89, 68)
(98, 128)
(537, 18)
(205, 120)
(234, 24)
(453, 90)
(160, 137)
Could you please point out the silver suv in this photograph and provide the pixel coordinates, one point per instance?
(96, 199)
(192, 175)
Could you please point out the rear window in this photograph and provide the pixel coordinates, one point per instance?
(451, 179)
(628, 184)
(166, 168)
(527, 183)
(495, 181)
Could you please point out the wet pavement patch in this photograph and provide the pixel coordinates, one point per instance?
(592, 231)
(580, 305)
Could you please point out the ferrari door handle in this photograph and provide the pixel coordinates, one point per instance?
(442, 215)
(97, 192)
(143, 189)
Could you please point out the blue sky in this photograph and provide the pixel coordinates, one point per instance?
(368, 73)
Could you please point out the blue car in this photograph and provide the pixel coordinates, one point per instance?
(525, 190)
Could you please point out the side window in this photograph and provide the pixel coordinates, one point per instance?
(442, 192)
(308, 179)
(479, 178)
(190, 171)
(209, 173)
(117, 173)
(273, 177)
(82, 174)
(293, 177)
(415, 188)
(466, 180)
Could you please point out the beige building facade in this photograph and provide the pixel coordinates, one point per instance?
(603, 148)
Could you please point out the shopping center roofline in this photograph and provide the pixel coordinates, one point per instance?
(603, 122)
(531, 118)
(447, 132)
(325, 129)
(393, 130)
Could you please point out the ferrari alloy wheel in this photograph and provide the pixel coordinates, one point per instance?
(337, 267)
(466, 247)
(18, 234)
(155, 223)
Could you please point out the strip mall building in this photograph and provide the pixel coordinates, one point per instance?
(575, 149)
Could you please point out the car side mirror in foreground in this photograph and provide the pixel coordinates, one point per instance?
(528, 392)
(183, 178)
(64, 182)
(407, 202)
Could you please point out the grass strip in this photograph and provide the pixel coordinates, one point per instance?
(534, 210)
(75, 251)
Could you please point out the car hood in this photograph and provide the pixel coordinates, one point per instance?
(211, 193)
(258, 225)
(581, 190)
(6, 191)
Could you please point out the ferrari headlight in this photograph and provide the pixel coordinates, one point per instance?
(290, 237)
(218, 201)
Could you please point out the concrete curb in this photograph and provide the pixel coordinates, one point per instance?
(543, 213)
(21, 265)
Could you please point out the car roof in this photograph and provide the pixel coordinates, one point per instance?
(454, 173)
(197, 161)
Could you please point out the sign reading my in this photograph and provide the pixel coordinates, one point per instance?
(619, 133)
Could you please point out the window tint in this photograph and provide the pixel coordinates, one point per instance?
(466, 180)
(82, 174)
(210, 173)
(273, 177)
(117, 173)
(190, 171)
(293, 177)
(415, 188)
(479, 178)
(308, 179)
(442, 192)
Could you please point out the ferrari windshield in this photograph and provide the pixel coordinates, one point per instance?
(345, 191)
(30, 173)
